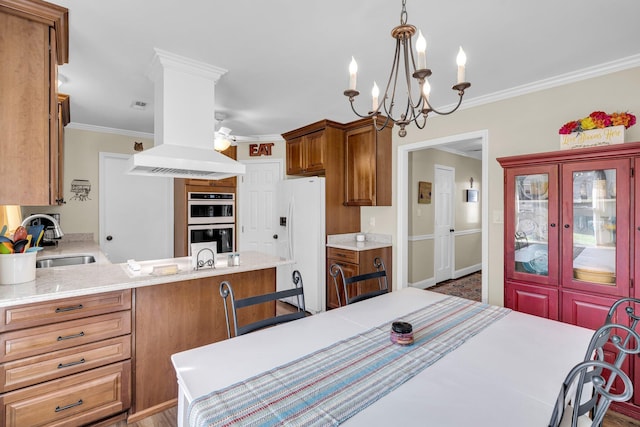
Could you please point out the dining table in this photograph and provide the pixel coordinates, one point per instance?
(470, 364)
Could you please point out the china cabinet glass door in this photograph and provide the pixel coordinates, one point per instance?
(595, 217)
(532, 248)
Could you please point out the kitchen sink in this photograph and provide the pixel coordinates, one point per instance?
(64, 260)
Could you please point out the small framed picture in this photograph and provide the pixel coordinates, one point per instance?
(424, 192)
(472, 196)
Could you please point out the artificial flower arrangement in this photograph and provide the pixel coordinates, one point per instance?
(598, 120)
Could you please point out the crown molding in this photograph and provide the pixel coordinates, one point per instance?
(560, 80)
(103, 129)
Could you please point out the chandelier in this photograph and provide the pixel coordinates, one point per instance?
(418, 108)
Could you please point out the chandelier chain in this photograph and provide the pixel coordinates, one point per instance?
(403, 14)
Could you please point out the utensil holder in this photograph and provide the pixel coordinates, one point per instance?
(17, 268)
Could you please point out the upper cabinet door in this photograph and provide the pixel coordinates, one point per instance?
(306, 155)
(34, 42)
(294, 156)
(531, 224)
(314, 146)
(595, 226)
(367, 164)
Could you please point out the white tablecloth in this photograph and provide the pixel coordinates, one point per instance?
(507, 375)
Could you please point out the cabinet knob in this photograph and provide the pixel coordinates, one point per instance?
(109, 238)
(553, 224)
(275, 236)
(566, 226)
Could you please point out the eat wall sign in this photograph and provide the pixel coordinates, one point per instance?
(260, 149)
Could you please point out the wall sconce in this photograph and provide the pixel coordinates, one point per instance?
(472, 195)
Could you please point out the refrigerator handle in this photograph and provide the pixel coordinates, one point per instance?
(290, 228)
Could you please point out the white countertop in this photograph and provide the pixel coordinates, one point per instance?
(102, 276)
(348, 241)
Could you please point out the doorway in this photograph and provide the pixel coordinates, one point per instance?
(444, 223)
(136, 212)
(257, 201)
(402, 257)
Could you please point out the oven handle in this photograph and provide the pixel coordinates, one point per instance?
(211, 202)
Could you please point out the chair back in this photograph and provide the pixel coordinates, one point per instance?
(592, 385)
(572, 408)
(610, 332)
(629, 310)
(351, 284)
(226, 291)
(632, 318)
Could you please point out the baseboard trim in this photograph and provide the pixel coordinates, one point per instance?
(431, 281)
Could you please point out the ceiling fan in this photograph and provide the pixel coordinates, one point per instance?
(223, 138)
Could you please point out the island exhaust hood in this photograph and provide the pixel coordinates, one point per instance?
(184, 122)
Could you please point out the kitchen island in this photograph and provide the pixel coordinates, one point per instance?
(113, 330)
(102, 276)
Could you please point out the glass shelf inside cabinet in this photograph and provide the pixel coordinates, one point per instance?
(531, 220)
(594, 226)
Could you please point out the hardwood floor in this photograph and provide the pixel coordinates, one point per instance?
(613, 419)
(169, 417)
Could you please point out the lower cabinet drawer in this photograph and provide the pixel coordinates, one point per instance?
(43, 339)
(74, 400)
(344, 255)
(42, 313)
(49, 366)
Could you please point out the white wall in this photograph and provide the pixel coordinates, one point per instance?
(81, 160)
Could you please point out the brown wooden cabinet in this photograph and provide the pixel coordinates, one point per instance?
(367, 164)
(66, 361)
(306, 155)
(318, 149)
(75, 400)
(179, 316)
(354, 263)
(572, 226)
(35, 41)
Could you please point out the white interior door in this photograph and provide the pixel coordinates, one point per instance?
(444, 222)
(136, 212)
(257, 194)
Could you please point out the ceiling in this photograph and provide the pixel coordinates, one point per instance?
(287, 60)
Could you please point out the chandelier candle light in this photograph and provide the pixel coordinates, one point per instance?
(416, 112)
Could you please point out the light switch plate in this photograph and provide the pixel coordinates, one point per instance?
(498, 217)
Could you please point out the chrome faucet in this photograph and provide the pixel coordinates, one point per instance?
(57, 231)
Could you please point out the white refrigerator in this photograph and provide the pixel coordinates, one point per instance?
(301, 237)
